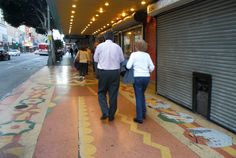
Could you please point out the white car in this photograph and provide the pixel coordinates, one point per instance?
(14, 52)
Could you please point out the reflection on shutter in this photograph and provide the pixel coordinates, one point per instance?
(199, 37)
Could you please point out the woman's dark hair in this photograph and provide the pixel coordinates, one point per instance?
(100, 39)
(83, 48)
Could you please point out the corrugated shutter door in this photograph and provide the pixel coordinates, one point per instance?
(199, 37)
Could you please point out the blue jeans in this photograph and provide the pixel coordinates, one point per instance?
(140, 86)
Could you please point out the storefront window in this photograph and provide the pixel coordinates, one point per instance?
(129, 39)
(116, 39)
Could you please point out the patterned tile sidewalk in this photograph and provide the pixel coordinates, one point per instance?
(22, 121)
(40, 120)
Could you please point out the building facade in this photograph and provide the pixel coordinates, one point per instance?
(196, 56)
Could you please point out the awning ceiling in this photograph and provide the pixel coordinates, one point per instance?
(85, 10)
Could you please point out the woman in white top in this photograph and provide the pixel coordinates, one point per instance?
(142, 65)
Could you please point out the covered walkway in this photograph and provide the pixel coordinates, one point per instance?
(55, 115)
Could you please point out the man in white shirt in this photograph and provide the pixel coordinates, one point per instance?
(109, 56)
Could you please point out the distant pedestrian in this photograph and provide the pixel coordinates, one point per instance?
(89, 59)
(71, 52)
(76, 51)
(142, 65)
(109, 56)
(82, 58)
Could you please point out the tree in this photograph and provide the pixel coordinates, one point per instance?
(58, 44)
(31, 13)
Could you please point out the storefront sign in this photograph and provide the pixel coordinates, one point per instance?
(164, 5)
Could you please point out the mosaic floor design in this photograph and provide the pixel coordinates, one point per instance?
(21, 121)
(63, 75)
(123, 135)
(194, 132)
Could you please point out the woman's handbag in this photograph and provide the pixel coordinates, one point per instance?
(76, 65)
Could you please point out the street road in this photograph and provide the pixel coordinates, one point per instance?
(17, 70)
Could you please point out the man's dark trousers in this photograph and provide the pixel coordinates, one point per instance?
(109, 81)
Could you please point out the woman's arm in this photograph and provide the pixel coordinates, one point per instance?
(130, 61)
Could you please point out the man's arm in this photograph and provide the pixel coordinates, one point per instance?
(96, 54)
(130, 62)
(121, 55)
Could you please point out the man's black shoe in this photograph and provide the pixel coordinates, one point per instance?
(138, 121)
(111, 118)
(103, 117)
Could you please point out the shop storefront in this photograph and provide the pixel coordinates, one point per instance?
(150, 38)
(134, 28)
(196, 45)
(130, 36)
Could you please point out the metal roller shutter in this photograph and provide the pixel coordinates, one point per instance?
(201, 37)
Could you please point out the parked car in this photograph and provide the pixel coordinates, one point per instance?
(4, 55)
(14, 52)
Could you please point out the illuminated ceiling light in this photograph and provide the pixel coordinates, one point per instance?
(72, 16)
(93, 19)
(71, 22)
(73, 12)
(100, 10)
(112, 21)
(108, 24)
(131, 9)
(106, 4)
(71, 19)
(90, 22)
(96, 15)
(73, 6)
(104, 27)
(117, 18)
(143, 2)
(129, 33)
(123, 14)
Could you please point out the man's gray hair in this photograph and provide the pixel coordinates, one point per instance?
(109, 35)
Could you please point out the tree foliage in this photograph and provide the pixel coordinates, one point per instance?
(58, 44)
(32, 13)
